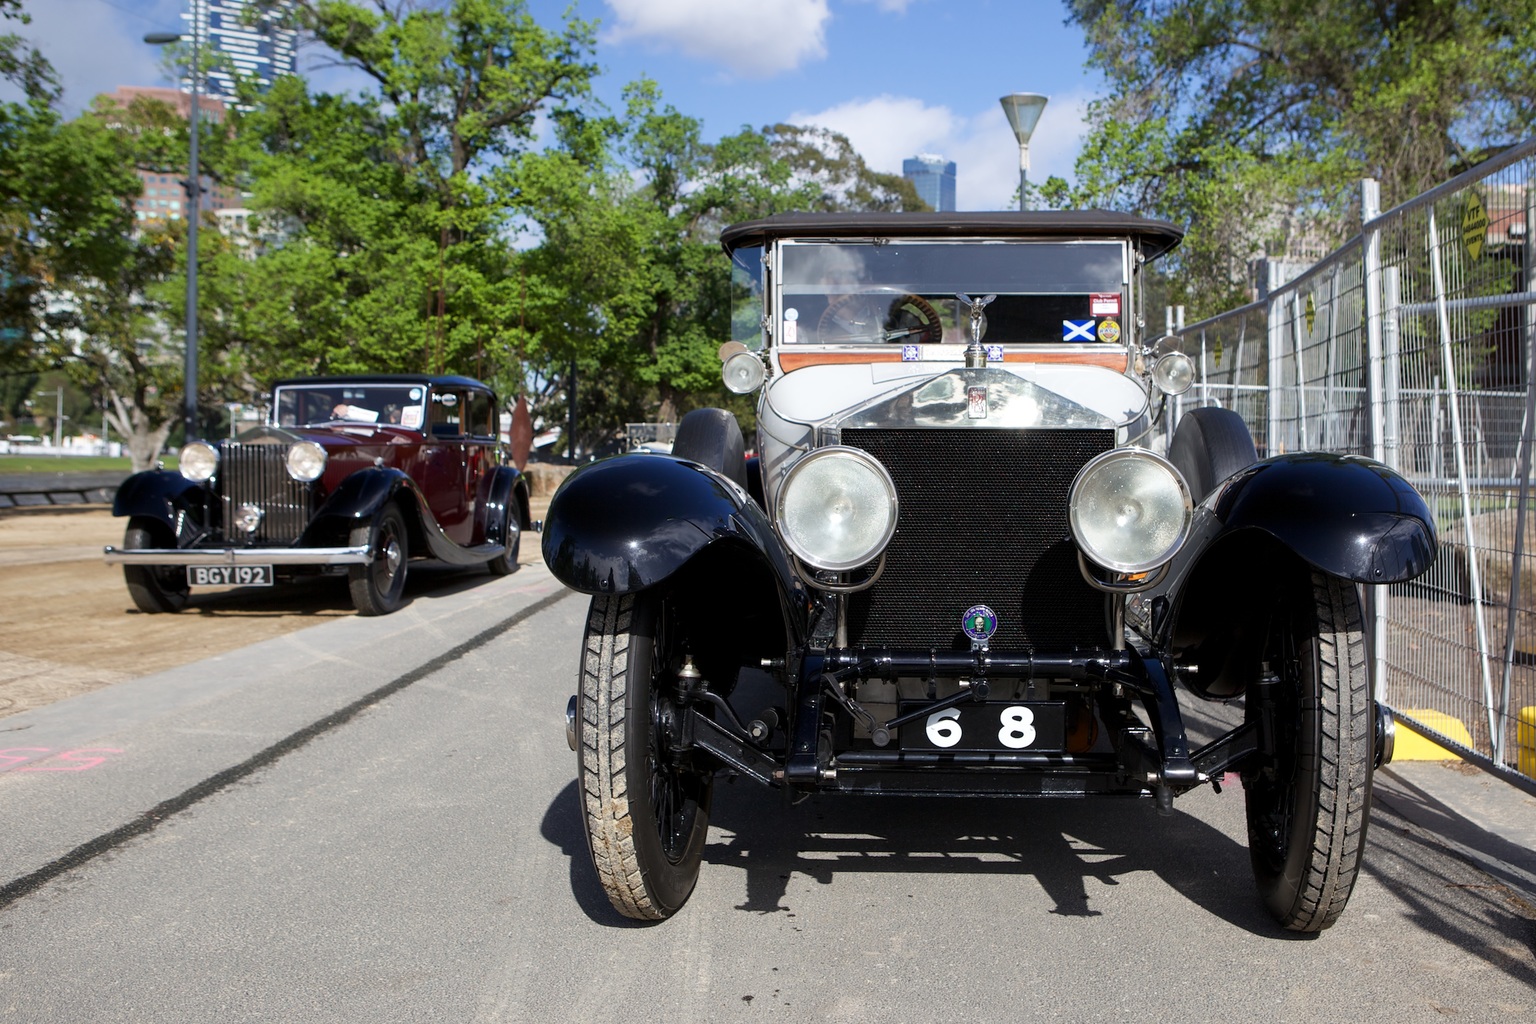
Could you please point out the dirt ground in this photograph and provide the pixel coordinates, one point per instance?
(67, 625)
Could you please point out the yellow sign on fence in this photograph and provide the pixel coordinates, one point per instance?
(1474, 225)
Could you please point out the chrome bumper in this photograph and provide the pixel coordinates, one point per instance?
(237, 556)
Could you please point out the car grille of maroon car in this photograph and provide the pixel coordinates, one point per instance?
(257, 474)
(982, 520)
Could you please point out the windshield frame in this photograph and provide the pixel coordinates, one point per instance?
(368, 404)
(1103, 285)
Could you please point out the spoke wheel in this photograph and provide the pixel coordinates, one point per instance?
(645, 804)
(505, 563)
(155, 589)
(1308, 792)
(378, 587)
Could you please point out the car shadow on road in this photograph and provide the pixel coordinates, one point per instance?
(1061, 844)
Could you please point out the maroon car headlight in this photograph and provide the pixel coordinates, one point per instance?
(306, 461)
(198, 461)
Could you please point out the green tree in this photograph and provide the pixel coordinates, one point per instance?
(1252, 121)
(629, 283)
(387, 245)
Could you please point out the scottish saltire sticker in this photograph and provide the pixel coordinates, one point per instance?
(1077, 330)
(1109, 331)
(980, 623)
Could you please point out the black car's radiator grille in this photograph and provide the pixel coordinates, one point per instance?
(257, 474)
(982, 520)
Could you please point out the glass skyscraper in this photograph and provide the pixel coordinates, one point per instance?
(261, 49)
(934, 178)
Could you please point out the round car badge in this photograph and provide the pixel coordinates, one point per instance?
(980, 623)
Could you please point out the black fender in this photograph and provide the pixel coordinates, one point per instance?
(1259, 536)
(1344, 514)
(507, 487)
(633, 522)
(160, 494)
(358, 499)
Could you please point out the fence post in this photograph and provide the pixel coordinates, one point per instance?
(1274, 354)
(1524, 469)
(1452, 395)
(1370, 249)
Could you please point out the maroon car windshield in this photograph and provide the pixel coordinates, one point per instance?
(311, 405)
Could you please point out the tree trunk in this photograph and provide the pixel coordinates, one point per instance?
(143, 437)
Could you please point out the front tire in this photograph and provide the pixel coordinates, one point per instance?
(378, 587)
(155, 589)
(1308, 797)
(645, 804)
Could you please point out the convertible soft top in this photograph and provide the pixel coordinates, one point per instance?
(1154, 237)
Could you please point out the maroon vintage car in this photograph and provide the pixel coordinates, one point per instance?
(351, 475)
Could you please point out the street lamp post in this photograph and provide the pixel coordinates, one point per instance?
(194, 196)
(1023, 110)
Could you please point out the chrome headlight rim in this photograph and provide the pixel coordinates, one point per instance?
(198, 461)
(306, 461)
(1173, 373)
(1075, 511)
(788, 491)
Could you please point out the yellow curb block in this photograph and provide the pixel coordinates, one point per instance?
(1525, 742)
(1410, 746)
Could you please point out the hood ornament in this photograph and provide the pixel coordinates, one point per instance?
(975, 354)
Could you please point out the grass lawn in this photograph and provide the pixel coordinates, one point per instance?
(69, 463)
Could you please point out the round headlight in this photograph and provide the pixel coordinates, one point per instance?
(198, 461)
(1130, 510)
(1173, 373)
(743, 372)
(837, 508)
(306, 461)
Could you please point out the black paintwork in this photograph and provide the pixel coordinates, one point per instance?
(1343, 514)
(630, 522)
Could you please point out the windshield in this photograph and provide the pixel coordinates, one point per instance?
(309, 405)
(879, 291)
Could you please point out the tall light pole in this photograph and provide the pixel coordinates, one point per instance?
(194, 203)
(1023, 110)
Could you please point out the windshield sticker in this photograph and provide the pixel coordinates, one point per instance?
(1077, 330)
(994, 353)
(910, 354)
(410, 416)
(1104, 303)
(791, 326)
(1109, 331)
(415, 394)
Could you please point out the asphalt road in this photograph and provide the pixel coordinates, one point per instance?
(375, 820)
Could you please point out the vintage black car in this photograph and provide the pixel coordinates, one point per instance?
(973, 560)
(353, 475)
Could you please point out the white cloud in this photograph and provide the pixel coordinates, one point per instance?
(887, 129)
(751, 38)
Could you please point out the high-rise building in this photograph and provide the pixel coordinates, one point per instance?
(165, 192)
(934, 179)
(260, 49)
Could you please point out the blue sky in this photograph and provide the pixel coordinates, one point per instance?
(898, 77)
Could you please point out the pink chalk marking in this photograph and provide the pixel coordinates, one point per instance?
(45, 760)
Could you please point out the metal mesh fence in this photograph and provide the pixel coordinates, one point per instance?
(1412, 344)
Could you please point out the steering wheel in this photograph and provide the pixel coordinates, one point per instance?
(874, 317)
